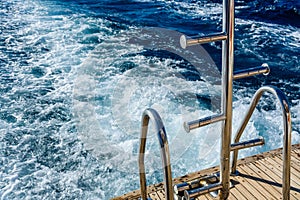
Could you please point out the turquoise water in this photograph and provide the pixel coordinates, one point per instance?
(75, 77)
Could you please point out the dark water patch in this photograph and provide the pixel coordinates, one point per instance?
(44, 90)
(47, 151)
(32, 113)
(191, 75)
(57, 113)
(271, 11)
(8, 118)
(267, 103)
(52, 100)
(127, 65)
(38, 72)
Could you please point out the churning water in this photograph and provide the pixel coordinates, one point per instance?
(75, 77)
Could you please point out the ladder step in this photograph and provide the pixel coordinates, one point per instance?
(202, 122)
(181, 187)
(184, 42)
(247, 144)
(263, 69)
(188, 194)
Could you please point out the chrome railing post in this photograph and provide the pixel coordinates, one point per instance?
(164, 151)
(287, 130)
(227, 79)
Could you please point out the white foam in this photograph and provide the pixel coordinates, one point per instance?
(285, 35)
(52, 44)
(152, 82)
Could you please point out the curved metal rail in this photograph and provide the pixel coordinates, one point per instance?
(164, 151)
(287, 129)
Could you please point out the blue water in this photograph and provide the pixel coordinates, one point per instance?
(75, 77)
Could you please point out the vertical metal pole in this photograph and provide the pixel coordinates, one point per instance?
(287, 140)
(227, 78)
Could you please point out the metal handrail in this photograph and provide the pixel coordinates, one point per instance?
(287, 129)
(164, 151)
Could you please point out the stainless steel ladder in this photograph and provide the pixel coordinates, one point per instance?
(228, 75)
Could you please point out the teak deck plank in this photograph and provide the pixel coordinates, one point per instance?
(278, 167)
(294, 165)
(273, 166)
(295, 180)
(244, 171)
(267, 175)
(160, 194)
(260, 177)
(235, 194)
(264, 179)
(295, 162)
(154, 196)
(247, 191)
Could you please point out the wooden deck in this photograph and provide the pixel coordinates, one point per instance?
(259, 178)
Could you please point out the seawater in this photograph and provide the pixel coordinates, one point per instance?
(76, 76)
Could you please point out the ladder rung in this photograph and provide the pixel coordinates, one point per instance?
(202, 122)
(188, 194)
(184, 42)
(263, 69)
(181, 187)
(247, 144)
